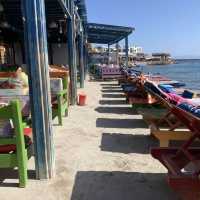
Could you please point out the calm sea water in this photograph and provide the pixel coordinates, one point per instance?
(186, 71)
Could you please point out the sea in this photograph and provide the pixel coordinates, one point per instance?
(184, 71)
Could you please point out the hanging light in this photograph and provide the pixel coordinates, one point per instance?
(81, 28)
(59, 42)
(5, 24)
(1, 7)
(60, 27)
(53, 25)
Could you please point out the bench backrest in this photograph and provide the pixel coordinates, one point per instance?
(189, 120)
(13, 112)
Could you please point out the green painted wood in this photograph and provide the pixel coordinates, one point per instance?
(20, 143)
(6, 112)
(7, 141)
(62, 106)
(65, 82)
(62, 101)
(18, 158)
(60, 109)
(8, 161)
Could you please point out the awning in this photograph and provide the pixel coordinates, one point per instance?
(107, 34)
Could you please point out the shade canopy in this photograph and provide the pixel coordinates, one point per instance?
(13, 15)
(11, 20)
(107, 34)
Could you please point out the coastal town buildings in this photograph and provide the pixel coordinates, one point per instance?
(136, 55)
(117, 54)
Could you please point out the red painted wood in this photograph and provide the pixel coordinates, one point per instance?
(177, 159)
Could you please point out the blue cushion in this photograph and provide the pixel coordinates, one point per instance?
(190, 108)
(187, 94)
(167, 88)
(197, 112)
(187, 107)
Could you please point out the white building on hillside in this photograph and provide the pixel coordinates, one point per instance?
(135, 49)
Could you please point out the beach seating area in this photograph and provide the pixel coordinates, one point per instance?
(122, 135)
(172, 117)
(78, 127)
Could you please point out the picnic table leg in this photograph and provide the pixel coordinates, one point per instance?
(66, 110)
(22, 168)
(60, 110)
(20, 143)
(190, 196)
(164, 143)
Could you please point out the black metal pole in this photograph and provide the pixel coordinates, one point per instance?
(108, 54)
(81, 60)
(126, 49)
(72, 57)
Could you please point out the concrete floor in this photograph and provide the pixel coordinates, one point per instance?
(102, 153)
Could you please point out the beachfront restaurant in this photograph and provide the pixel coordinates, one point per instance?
(42, 49)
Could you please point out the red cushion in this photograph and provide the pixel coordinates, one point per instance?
(7, 148)
(12, 147)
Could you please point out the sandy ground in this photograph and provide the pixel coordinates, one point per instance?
(102, 153)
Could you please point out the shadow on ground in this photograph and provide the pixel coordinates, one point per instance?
(108, 84)
(111, 87)
(112, 91)
(113, 95)
(102, 185)
(112, 102)
(9, 177)
(116, 110)
(120, 123)
(126, 143)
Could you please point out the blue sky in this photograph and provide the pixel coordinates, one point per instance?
(161, 26)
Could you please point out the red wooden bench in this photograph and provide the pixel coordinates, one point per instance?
(183, 163)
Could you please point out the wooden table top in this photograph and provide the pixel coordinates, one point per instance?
(14, 92)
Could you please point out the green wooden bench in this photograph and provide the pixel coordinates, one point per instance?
(60, 104)
(14, 152)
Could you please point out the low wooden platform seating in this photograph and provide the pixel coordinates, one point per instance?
(183, 163)
(15, 148)
(151, 114)
(168, 127)
(149, 100)
(136, 94)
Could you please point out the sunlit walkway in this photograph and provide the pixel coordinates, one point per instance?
(102, 153)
